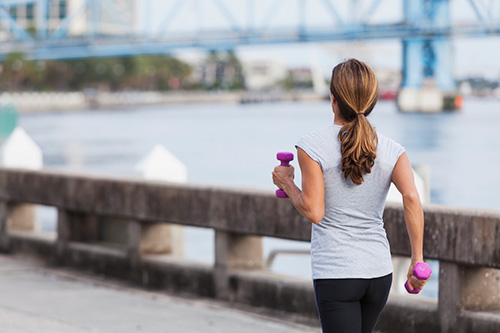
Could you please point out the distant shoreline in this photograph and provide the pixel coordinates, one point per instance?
(34, 102)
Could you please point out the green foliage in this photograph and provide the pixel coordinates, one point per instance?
(288, 82)
(156, 72)
(291, 82)
(223, 71)
(18, 73)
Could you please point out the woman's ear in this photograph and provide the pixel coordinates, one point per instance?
(332, 99)
(334, 102)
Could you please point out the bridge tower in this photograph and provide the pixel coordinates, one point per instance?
(428, 83)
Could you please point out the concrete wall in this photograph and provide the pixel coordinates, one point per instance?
(465, 241)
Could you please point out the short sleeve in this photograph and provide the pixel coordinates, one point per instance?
(311, 148)
(396, 151)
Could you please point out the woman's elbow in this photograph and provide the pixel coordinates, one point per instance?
(316, 217)
(313, 210)
(411, 198)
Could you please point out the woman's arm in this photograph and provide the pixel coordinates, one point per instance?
(310, 201)
(402, 177)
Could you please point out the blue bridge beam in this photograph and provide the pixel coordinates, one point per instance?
(428, 58)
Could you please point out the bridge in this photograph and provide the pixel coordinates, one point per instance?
(107, 28)
(110, 226)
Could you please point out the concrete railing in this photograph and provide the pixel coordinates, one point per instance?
(110, 225)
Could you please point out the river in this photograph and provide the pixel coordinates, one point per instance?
(235, 145)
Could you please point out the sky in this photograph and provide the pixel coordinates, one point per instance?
(472, 56)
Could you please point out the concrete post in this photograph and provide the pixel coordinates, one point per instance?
(154, 237)
(20, 151)
(465, 288)
(481, 289)
(114, 230)
(449, 301)
(22, 217)
(147, 238)
(4, 236)
(63, 234)
(134, 243)
(150, 238)
(245, 252)
(161, 165)
(157, 238)
(221, 278)
(234, 251)
(76, 227)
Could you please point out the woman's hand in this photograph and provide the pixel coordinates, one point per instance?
(283, 175)
(413, 281)
(310, 201)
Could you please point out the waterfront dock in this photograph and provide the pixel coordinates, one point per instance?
(35, 102)
(121, 228)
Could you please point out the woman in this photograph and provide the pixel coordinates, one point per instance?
(347, 169)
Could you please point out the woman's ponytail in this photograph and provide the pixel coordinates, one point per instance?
(355, 89)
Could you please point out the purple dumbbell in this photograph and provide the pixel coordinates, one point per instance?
(422, 271)
(285, 159)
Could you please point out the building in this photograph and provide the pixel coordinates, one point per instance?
(25, 14)
(114, 17)
(104, 17)
(263, 74)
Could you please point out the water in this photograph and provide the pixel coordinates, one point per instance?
(235, 145)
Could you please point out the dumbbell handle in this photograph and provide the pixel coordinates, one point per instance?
(285, 159)
(422, 271)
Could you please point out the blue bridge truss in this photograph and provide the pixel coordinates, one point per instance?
(425, 28)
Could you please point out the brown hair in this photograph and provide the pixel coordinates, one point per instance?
(355, 88)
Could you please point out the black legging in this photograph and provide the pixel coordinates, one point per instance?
(351, 305)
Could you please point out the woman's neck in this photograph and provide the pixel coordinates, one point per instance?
(339, 121)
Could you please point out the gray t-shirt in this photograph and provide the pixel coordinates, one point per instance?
(350, 241)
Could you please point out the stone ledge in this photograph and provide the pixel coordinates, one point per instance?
(481, 321)
(460, 235)
(410, 315)
(38, 244)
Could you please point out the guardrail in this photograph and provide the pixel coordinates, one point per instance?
(112, 226)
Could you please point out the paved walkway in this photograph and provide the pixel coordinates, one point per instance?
(34, 298)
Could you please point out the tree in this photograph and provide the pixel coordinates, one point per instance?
(150, 72)
(222, 70)
(19, 74)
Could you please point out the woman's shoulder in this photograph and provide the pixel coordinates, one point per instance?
(324, 133)
(382, 138)
(318, 144)
(389, 145)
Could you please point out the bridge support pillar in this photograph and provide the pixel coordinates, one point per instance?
(463, 288)
(428, 84)
(234, 251)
